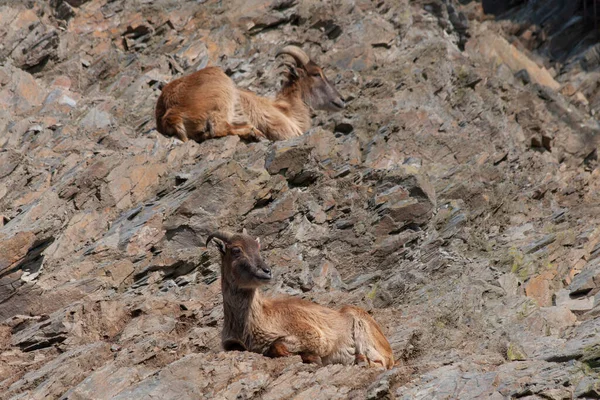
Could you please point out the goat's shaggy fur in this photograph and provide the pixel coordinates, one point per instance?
(279, 327)
(206, 104)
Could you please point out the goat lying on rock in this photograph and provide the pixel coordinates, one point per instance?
(206, 104)
(288, 326)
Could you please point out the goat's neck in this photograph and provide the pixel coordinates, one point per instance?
(292, 94)
(241, 306)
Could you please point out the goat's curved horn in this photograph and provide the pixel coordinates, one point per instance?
(299, 55)
(223, 235)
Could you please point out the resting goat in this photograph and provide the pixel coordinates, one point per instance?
(206, 104)
(288, 326)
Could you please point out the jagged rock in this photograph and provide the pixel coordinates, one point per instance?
(22, 94)
(52, 380)
(539, 288)
(563, 298)
(587, 280)
(512, 379)
(588, 387)
(436, 200)
(515, 353)
(295, 163)
(14, 249)
(497, 48)
(582, 344)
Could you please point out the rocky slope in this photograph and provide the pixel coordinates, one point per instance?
(456, 202)
(563, 37)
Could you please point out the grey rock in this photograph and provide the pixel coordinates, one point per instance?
(423, 201)
(587, 280)
(563, 298)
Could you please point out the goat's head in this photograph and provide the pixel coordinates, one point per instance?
(242, 264)
(315, 88)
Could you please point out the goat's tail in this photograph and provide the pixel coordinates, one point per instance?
(371, 345)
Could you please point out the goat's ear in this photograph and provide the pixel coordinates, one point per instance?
(244, 231)
(258, 241)
(220, 245)
(293, 72)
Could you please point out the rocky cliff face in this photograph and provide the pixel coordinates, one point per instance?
(456, 202)
(560, 35)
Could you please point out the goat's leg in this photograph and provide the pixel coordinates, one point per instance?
(278, 349)
(288, 346)
(233, 345)
(361, 360)
(310, 358)
(247, 132)
(219, 128)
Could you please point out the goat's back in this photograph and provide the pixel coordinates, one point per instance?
(295, 311)
(191, 99)
(322, 329)
(335, 332)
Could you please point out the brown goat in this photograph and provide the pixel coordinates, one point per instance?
(287, 326)
(207, 104)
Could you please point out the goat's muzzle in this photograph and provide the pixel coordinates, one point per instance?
(339, 103)
(264, 273)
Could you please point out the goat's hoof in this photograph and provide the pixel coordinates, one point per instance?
(277, 349)
(309, 358)
(362, 360)
(256, 135)
(233, 345)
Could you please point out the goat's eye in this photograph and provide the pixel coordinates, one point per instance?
(236, 251)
